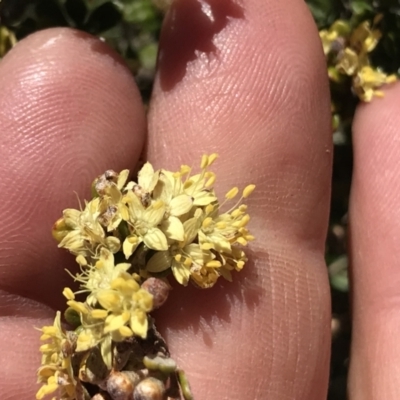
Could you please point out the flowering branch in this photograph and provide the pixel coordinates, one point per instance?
(128, 241)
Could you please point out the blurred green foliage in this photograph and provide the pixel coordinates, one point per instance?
(131, 27)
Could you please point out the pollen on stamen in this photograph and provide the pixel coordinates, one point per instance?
(232, 193)
(248, 190)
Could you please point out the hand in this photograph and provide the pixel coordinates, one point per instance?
(251, 86)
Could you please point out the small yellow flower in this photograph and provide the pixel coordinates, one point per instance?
(199, 186)
(56, 370)
(143, 223)
(84, 233)
(127, 304)
(348, 62)
(180, 255)
(367, 82)
(351, 57)
(100, 275)
(336, 34)
(364, 38)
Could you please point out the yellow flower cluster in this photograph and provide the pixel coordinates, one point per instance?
(348, 51)
(116, 306)
(166, 222)
(56, 370)
(174, 214)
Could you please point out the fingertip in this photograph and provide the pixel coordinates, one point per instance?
(70, 110)
(374, 229)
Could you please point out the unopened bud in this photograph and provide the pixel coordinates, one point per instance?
(159, 289)
(72, 317)
(120, 385)
(60, 230)
(149, 389)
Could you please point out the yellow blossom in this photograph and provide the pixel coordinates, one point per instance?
(181, 228)
(143, 223)
(100, 275)
(177, 203)
(207, 235)
(180, 255)
(338, 30)
(351, 57)
(367, 82)
(84, 233)
(126, 303)
(56, 370)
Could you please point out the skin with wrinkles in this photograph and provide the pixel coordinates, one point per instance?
(253, 88)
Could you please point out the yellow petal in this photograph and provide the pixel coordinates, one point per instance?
(147, 179)
(125, 331)
(122, 178)
(130, 245)
(155, 213)
(155, 239)
(115, 322)
(181, 273)
(106, 351)
(204, 198)
(180, 205)
(46, 390)
(173, 228)
(191, 227)
(109, 299)
(85, 341)
(139, 323)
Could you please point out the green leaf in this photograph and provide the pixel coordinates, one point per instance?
(103, 18)
(360, 7)
(325, 12)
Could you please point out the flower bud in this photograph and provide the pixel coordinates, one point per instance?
(120, 385)
(60, 230)
(149, 389)
(159, 289)
(72, 317)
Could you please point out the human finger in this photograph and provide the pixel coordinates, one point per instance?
(247, 80)
(374, 231)
(70, 110)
